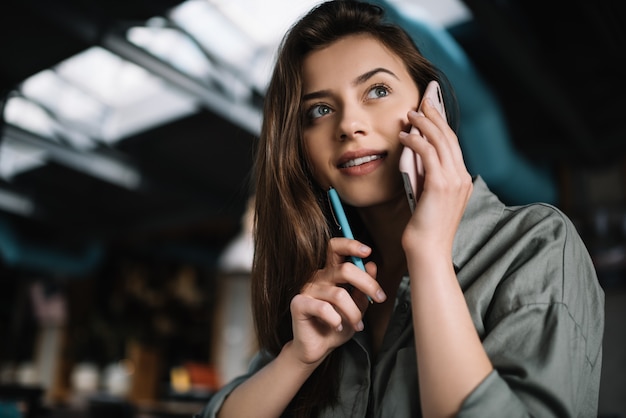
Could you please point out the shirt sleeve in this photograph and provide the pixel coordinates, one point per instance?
(537, 373)
(260, 360)
(542, 327)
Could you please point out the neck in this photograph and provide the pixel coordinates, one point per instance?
(385, 224)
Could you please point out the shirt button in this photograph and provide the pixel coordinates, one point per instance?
(404, 308)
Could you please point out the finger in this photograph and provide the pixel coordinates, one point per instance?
(367, 285)
(431, 130)
(433, 114)
(340, 248)
(426, 151)
(304, 308)
(369, 288)
(341, 298)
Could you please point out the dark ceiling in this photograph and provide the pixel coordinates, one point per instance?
(554, 65)
(557, 68)
(194, 171)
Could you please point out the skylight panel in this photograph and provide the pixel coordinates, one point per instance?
(172, 46)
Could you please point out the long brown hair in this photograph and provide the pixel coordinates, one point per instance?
(291, 226)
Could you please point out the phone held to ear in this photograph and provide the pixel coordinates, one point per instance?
(411, 165)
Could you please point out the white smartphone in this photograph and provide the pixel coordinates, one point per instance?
(411, 165)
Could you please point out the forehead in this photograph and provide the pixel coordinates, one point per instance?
(347, 58)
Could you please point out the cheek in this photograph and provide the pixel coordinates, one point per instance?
(393, 123)
(319, 170)
(395, 120)
(318, 159)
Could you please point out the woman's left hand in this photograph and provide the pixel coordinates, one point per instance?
(447, 185)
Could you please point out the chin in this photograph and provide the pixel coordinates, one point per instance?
(367, 197)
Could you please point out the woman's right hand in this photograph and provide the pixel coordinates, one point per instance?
(329, 308)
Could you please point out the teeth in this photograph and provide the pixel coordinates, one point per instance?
(362, 160)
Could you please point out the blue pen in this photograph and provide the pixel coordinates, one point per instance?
(344, 226)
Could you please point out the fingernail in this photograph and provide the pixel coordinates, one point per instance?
(403, 134)
(413, 113)
(360, 326)
(380, 295)
(364, 249)
(340, 328)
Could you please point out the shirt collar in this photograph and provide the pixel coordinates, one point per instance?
(482, 213)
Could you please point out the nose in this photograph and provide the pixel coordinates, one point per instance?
(353, 122)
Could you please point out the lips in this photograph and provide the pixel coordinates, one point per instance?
(360, 160)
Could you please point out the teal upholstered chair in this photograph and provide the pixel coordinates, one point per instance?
(483, 132)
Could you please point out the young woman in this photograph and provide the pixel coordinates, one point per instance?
(477, 309)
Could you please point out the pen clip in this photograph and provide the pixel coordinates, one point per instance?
(332, 209)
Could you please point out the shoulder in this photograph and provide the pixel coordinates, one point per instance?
(541, 230)
(536, 217)
(547, 236)
(546, 262)
(550, 272)
(533, 255)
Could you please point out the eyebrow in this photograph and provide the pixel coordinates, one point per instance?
(359, 80)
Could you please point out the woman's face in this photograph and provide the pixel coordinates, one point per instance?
(356, 97)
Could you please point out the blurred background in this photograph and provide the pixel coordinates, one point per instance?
(127, 130)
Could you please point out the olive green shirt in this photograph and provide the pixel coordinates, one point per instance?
(537, 306)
